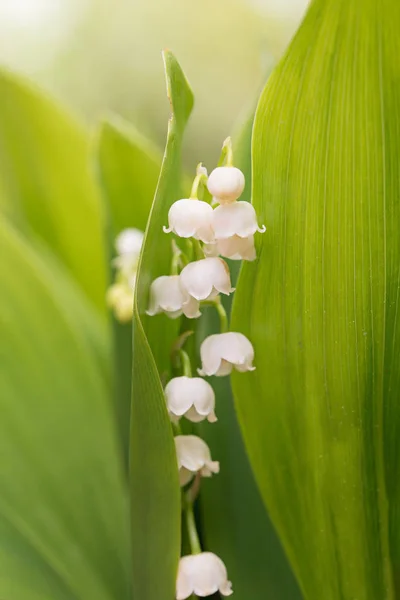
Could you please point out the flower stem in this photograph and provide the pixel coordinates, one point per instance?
(223, 317)
(198, 250)
(192, 529)
(186, 365)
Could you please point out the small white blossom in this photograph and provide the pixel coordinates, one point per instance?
(193, 456)
(226, 184)
(129, 241)
(191, 218)
(120, 299)
(191, 397)
(237, 248)
(203, 575)
(206, 278)
(167, 296)
(222, 352)
(238, 218)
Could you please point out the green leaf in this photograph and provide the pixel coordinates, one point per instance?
(128, 170)
(235, 524)
(319, 415)
(155, 491)
(46, 185)
(63, 503)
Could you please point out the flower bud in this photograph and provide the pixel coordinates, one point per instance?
(191, 397)
(167, 296)
(205, 278)
(203, 575)
(191, 218)
(222, 352)
(226, 184)
(238, 218)
(193, 456)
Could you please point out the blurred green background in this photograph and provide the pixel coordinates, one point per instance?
(105, 54)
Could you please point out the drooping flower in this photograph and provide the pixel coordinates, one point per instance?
(193, 456)
(226, 184)
(206, 278)
(167, 296)
(238, 218)
(191, 397)
(120, 298)
(191, 218)
(222, 352)
(129, 241)
(128, 244)
(237, 248)
(202, 574)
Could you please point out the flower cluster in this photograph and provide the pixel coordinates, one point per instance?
(200, 276)
(120, 294)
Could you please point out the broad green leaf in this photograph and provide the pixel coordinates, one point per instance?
(46, 185)
(155, 492)
(235, 524)
(64, 527)
(319, 414)
(128, 170)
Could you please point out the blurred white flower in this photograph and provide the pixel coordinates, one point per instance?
(237, 248)
(226, 184)
(120, 298)
(128, 245)
(238, 218)
(191, 218)
(193, 456)
(129, 241)
(206, 278)
(202, 574)
(167, 296)
(222, 352)
(191, 397)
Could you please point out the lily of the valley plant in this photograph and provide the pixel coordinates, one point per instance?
(198, 275)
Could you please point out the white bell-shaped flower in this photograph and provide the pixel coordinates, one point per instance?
(191, 397)
(128, 244)
(203, 575)
(167, 296)
(206, 278)
(191, 218)
(193, 456)
(237, 248)
(226, 184)
(222, 352)
(120, 299)
(238, 218)
(129, 241)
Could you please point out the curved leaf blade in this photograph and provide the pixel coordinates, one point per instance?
(320, 303)
(46, 185)
(63, 504)
(155, 491)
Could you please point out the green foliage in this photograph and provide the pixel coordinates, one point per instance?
(46, 188)
(64, 523)
(155, 491)
(320, 415)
